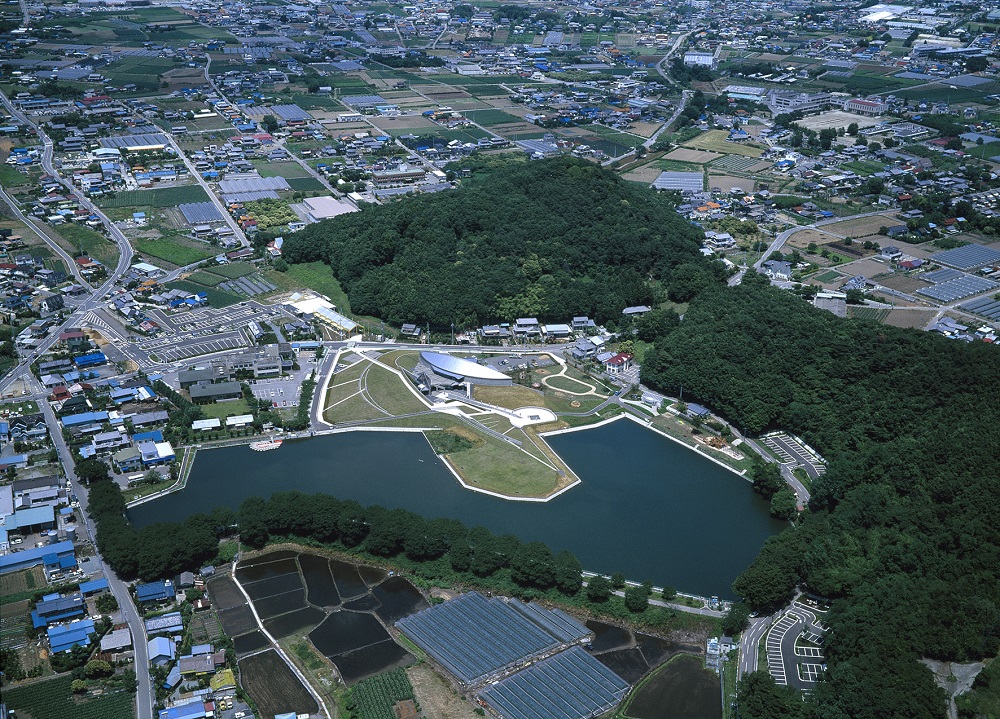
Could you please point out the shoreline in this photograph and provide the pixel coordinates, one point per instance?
(189, 462)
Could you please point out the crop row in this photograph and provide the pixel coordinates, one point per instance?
(376, 696)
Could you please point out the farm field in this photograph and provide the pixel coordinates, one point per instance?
(877, 314)
(173, 251)
(489, 118)
(715, 141)
(216, 298)
(862, 226)
(377, 695)
(273, 686)
(16, 586)
(53, 699)
(143, 72)
(684, 154)
(736, 163)
(77, 238)
(159, 197)
(10, 177)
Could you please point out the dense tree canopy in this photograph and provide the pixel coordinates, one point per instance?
(553, 238)
(902, 533)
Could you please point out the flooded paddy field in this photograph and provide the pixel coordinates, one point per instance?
(343, 608)
(680, 689)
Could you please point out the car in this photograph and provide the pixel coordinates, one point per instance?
(239, 715)
(17, 540)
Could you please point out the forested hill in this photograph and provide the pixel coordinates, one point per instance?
(903, 531)
(551, 239)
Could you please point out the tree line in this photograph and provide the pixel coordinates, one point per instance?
(552, 239)
(901, 533)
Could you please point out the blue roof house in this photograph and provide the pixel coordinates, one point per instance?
(161, 651)
(155, 591)
(63, 638)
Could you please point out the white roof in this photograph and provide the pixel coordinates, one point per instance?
(239, 419)
(213, 423)
(459, 366)
(324, 207)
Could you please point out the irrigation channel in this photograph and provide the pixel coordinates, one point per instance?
(647, 506)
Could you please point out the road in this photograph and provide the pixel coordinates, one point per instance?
(145, 694)
(33, 225)
(749, 643)
(213, 198)
(125, 253)
(782, 237)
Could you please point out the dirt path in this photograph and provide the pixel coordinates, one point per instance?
(562, 373)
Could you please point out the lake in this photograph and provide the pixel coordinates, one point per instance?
(647, 506)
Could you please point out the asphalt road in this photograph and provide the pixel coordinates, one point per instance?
(145, 694)
(748, 645)
(782, 237)
(33, 225)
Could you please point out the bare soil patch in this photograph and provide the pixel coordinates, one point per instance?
(903, 283)
(916, 318)
(436, 697)
(862, 226)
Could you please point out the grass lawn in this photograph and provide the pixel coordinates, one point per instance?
(404, 360)
(513, 397)
(388, 392)
(319, 277)
(568, 384)
(501, 467)
(229, 408)
(562, 402)
(147, 489)
(94, 244)
(354, 409)
(174, 252)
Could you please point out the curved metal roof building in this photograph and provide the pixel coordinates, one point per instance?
(463, 370)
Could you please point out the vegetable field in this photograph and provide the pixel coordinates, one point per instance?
(377, 695)
(53, 699)
(161, 197)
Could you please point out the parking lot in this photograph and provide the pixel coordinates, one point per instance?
(791, 450)
(794, 648)
(176, 349)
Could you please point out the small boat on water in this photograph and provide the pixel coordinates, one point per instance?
(265, 445)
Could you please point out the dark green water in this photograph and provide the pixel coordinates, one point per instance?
(647, 506)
